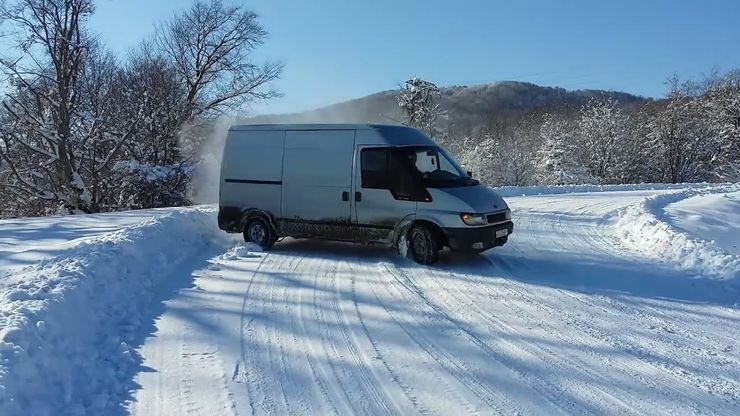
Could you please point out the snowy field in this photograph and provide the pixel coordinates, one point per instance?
(606, 300)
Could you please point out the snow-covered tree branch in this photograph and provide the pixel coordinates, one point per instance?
(84, 131)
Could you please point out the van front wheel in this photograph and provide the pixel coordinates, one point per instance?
(423, 244)
(257, 230)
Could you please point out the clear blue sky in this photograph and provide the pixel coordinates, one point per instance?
(337, 50)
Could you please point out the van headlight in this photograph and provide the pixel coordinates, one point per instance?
(507, 214)
(474, 219)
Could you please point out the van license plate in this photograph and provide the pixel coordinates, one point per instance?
(502, 233)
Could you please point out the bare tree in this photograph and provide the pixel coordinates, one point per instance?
(680, 140)
(556, 158)
(209, 50)
(720, 108)
(515, 156)
(46, 106)
(84, 133)
(211, 46)
(602, 139)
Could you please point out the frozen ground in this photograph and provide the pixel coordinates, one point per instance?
(580, 313)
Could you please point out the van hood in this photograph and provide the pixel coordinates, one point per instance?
(477, 198)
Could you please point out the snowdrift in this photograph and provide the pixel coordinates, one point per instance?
(644, 227)
(68, 325)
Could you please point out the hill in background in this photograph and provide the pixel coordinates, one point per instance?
(464, 106)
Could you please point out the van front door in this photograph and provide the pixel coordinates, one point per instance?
(317, 184)
(383, 192)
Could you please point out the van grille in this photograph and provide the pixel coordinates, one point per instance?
(497, 217)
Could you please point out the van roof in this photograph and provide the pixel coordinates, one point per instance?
(390, 134)
(311, 126)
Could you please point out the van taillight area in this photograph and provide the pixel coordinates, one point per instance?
(229, 219)
(478, 238)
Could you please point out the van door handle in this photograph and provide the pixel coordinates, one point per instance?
(345, 196)
(358, 196)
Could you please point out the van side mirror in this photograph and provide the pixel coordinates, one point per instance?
(470, 173)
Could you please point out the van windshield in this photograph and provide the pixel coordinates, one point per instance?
(436, 167)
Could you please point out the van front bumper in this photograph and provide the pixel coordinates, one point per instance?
(477, 238)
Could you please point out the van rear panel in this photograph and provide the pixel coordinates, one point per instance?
(251, 174)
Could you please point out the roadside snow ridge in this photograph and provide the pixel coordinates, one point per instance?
(67, 327)
(644, 227)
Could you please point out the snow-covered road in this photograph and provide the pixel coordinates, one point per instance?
(562, 320)
(566, 318)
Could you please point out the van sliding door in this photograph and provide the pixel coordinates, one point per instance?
(317, 183)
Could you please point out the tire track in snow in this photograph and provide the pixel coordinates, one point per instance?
(294, 394)
(642, 365)
(472, 382)
(571, 331)
(254, 375)
(328, 343)
(601, 242)
(554, 399)
(279, 294)
(510, 349)
(379, 395)
(273, 341)
(604, 242)
(405, 388)
(318, 371)
(351, 375)
(322, 320)
(451, 392)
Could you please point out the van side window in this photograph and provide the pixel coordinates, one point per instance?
(405, 179)
(375, 168)
(393, 169)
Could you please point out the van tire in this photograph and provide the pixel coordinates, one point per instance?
(423, 243)
(259, 231)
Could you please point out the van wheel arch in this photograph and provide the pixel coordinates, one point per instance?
(436, 239)
(263, 224)
(405, 226)
(425, 241)
(248, 214)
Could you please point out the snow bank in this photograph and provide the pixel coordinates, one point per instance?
(568, 189)
(67, 327)
(24, 242)
(643, 227)
(714, 217)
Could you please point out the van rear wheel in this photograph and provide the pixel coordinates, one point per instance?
(423, 244)
(257, 230)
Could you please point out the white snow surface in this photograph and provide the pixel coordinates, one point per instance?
(712, 217)
(575, 315)
(645, 227)
(26, 241)
(67, 323)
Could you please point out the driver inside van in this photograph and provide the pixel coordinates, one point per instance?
(413, 158)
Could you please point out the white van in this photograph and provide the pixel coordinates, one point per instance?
(355, 182)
